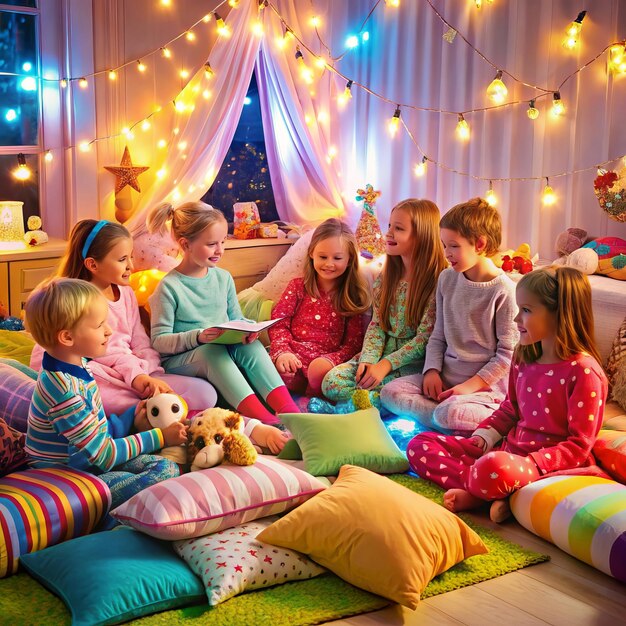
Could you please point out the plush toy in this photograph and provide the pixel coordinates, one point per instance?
(216, 435)
(165, 409)
(519, 260)
(611, 252)
(568, 241)
(35, 235)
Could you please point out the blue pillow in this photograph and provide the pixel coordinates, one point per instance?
(115, 576)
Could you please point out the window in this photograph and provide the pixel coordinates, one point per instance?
(19, 101)
(244, 175)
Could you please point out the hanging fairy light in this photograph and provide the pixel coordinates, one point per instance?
(421, 167)
(315, 21)
(490, 196)
(84, 146)
(82, 83)
(572, 32)
(222, 29)
(209, 72)
(393, 3)
(48, 157)
(558, 108)
(617, 58)
(497, 90)
(344, 97)
(287, 36)
(190, 35)
(63, 83)
(141, 66)
(532, 111)
(394, 122)
(305, 71)
(233, 3)
(112, 74)
(22, 171)
(145, 125)
(462, 128)
(166, 53)
(257, 28)
(548, 197)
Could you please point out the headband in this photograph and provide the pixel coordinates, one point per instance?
(92, 235)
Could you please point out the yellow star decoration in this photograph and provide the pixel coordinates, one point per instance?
(126, 173)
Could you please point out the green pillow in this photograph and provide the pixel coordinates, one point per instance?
(291, 451)
(330, 441)
(115, 576)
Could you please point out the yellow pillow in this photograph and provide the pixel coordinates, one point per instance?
(377, 535)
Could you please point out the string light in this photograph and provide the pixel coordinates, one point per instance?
(420, 168)
(222, 29)
(257, 28)
(490, 196)
(497, 90)
(84, 146)
(82, 83)
(166, 3)
(393, 3)
(208, 70)
(145, 125)
(617, 58)
(462, 128)
(48, 156)
(233, 3)
(161, 143)
(190, 35)
(548, 197)
(184, 73)
(63, 83)
(207, 18)
(141, 66)
(572, 32)
(558, 108)
(352, 41)
(394, 122)
(315, 21)
(22, 172)
(346, 95)
(532, 112)
(112, 75)
(166, 53)
(305, 71)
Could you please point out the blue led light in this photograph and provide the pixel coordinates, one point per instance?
(29, 84)
(247, 100)
(352, 41)
(10, 115)
(27, 67)
(365, 36)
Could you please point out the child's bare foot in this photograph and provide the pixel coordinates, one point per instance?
(456, 500)
(500, 510)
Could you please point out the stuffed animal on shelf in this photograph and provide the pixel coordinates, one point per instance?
(35, 236)
(216, 435)
(165, 409)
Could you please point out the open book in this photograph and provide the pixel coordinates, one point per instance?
(236, 330)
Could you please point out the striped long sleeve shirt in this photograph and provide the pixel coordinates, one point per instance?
(67, 424)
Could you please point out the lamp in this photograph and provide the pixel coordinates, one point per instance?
(11, 225)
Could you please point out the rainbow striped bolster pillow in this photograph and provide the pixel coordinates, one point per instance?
(213, 499)
(42, 507)
(583, 515)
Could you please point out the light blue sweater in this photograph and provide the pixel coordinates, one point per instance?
(181, 307)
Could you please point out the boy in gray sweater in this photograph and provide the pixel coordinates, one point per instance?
(469, 351)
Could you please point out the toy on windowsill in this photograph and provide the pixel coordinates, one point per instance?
(35, 236)
(245, 220)
(7, 322)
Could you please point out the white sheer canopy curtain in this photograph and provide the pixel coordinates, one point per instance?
(208, 130)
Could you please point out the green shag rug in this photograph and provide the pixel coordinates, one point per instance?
(23, 601)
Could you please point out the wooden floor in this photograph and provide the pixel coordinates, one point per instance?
(563, 591)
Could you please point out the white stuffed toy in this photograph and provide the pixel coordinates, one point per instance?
(35, 236)
(165, 409)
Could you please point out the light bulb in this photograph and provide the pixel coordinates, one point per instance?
(233, 3)
(84, 146)
(315, 21)
(48, 156)
(207, 18)
(478, 3)
(161, 143)
(22, 171)
(305, 71)
(257, 29)
(548, 197)
(617, 59)
(497, 90)
(179, 105)
(394, 123)
(63, 83)
(346, 95)
(166, 52)
(161, 173)
(208, 71)
(572, 32)
(184, 73)
(558, 108)
(462, 128)
(420, 168)
(490, 196)
(320, 62)
(145, 125)
(532, 112)
(206, 94)
(352, 41)
(141, 66)
(166, 3)
(190, 35)
(112, 75)
(393, 3)
(222, 29)
(82, 83)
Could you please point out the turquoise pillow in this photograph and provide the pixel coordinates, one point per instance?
(330, 441)
(115, 576)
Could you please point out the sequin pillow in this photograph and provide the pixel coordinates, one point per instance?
(233, 561)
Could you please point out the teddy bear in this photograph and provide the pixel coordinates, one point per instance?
(163, 410)
(216, 435)
(35, 235)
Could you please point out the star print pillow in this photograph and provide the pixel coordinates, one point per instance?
(232, 561)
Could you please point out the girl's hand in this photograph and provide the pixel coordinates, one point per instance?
(287, 362)
(269, 437)
(373, 375)
(471, 385)
(249, 338)
(175, 434)
(209, 334)
(478, 441)
(147, 386)
(432, 385)
(141, 422)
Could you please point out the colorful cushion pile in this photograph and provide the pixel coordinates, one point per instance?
(39, 508)
(583, 515)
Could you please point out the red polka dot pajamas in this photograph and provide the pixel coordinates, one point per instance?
(312, 328)
(547, 424)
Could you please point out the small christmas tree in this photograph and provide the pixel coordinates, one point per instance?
(368, 233)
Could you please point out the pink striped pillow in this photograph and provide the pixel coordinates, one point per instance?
(203, 502)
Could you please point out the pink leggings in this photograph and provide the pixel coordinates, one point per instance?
(454, 463)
